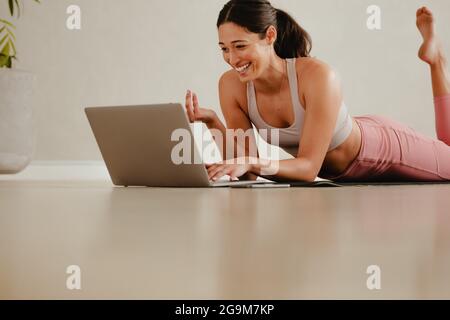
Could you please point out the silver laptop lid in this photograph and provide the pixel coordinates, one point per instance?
(136, 145)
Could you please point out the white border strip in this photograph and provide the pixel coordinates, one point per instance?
(61, 170)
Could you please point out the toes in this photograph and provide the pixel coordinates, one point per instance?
(420, 11)
(424, 15)
(427, 11)
(424, 10)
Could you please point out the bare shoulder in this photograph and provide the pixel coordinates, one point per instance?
(230, 81)
(311, 70)
(231, 87)
(313, 75)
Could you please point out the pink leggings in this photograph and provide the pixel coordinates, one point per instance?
(391, 151)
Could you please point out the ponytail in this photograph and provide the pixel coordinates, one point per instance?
(258, 15)
(292, 41)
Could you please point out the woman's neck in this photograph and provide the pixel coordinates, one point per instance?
(272, 79)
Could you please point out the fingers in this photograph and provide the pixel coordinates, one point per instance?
(220, 174)
(189, 109)
(212, 169)
(217, 172)
(192, 106)
(195, 101)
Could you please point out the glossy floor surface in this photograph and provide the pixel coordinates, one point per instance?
(293, 243)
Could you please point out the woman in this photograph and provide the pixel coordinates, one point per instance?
(275, 84)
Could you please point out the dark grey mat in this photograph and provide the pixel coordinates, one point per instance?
(333, 184)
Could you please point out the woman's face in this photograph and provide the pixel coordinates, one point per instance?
(244, 51)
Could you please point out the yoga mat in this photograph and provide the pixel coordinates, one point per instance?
(333, 184)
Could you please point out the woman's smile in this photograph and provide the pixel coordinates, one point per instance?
(243, 69)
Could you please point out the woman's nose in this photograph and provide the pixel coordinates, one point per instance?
(232, 58)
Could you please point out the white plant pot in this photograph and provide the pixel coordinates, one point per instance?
(17, 138)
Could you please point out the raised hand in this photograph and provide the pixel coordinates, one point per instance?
(195, 113)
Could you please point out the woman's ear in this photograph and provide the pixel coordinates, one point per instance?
(271, 35)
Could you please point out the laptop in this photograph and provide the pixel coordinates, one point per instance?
(136, 145)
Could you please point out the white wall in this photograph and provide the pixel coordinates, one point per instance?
(148, 51)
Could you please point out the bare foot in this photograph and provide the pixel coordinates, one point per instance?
(431, 49)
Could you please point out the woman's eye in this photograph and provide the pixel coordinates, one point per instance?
(223, 49)
(240, 47)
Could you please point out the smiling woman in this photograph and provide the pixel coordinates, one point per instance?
(274, 84)
(256, 18)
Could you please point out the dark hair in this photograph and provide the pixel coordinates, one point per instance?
(258, 15)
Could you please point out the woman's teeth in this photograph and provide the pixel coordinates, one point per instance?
(243, 68)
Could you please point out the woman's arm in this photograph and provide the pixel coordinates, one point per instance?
(235, 118)
(239, 141)
(237, 121)
(323, 97)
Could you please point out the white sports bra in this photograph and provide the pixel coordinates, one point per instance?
(290, 137)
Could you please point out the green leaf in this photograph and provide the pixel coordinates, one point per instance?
(6, 49)
(13, 47)
(3, 60)
(3, 40)
(7, 23)
(7, 38)
(11, 7)
(9, 62)
(11, 34)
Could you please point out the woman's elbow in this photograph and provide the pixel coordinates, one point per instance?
(307, 170)
(309, 177)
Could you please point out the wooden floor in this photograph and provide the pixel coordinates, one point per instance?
(223, 243)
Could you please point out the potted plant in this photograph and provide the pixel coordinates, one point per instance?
(16, 88)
